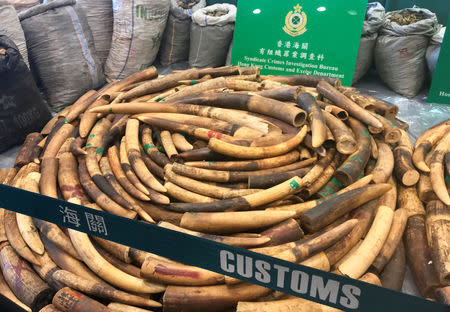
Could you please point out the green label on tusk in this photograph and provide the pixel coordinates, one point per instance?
(88, 145)
(294, 185)
(161, 149)
(66, 121)
(148, 146)
(368, 135)
(329, 189)
(138, 84)
(336, 182)
(357, 157)
(447, 178)
(323, 287)
(210, 163)
(194, 82)
(92, 135)
(158, 99)
(99, 150)
(193, 213)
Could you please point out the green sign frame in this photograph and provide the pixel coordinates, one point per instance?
(440, 87)
(299, 37)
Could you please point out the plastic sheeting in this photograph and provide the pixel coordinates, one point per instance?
(419, 114)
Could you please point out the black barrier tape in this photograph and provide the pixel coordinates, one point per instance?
(304, 282)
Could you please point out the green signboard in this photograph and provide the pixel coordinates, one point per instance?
(440, 88)
(303, 37)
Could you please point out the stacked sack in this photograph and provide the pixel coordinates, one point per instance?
(373, 21)
(10, 26)
(138, 29)
(434, 50)
(176, 38)
(20, 5)
(99, 15)
(63, 60)
(22, 109)
(401, 48)
(211, 34)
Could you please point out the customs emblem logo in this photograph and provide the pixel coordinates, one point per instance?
(295, 22)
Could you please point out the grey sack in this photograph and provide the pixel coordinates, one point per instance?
(99, 15)
(211, 35)
(434, 50)
(63, 60)
(10, 26)
(175, 42)
(22, 109)
(400, 51)
(138, 29)
(374, 19)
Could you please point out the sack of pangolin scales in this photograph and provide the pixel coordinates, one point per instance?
(211, 34)
(138, 29)
(176, 38)
(401, 47)
(63, 60)
(99, 15)
(22, 109)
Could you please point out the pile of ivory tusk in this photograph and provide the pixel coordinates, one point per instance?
(295, 167)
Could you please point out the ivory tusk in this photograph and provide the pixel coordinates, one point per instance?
(106, 270)
(233, 222)
(181, 143)
(68, 300)
(393, 274)
(318, 127)
(438, 234)
(116, 167)
(26, 285)
(257, 152)
(437, 169)
(359, 262)
(99, 290)
(425, 143)
(134, 155)
(229, 240)
(419, 256)
(328, 211)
